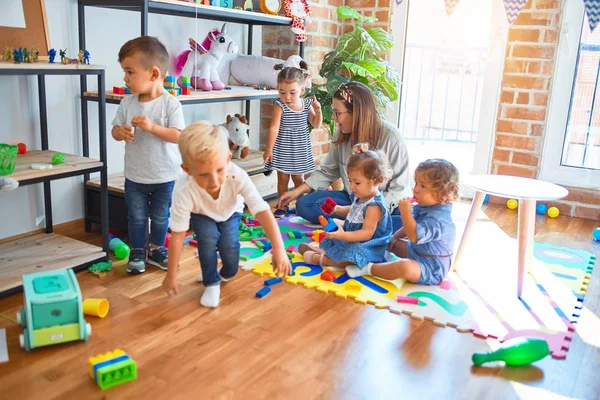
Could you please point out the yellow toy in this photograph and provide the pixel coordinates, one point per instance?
(112, 369)
(512, 204)
(553, 212)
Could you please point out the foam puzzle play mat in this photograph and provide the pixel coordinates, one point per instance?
(480, 298)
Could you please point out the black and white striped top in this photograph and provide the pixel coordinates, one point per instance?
(292, 153)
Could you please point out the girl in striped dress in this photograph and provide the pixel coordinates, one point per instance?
(289, 150)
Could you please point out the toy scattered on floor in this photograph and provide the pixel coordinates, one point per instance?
(407, 300)
(327, 276)
(553, 212)
(8, 159)
(263, 292)
(21, 148)
(52, 311)
(541, 209)
(95, 307)
(239, 135)
(273, 281)
(328, 206)
(512, 204)
(8, 184)
(101, 268)
(328, 224)
(51, 56)
(515, 352)
(596, 234)
(205, 75)
(58, 158)
(118, 247)
(486, 199)
(264, 245)
(247, 233)
(112, 369)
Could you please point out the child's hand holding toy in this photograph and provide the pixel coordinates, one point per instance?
(143, 122)
(339, 234)
(281, 262)
(124, 133)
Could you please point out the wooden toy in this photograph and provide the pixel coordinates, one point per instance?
(52, 311)
(112, 369)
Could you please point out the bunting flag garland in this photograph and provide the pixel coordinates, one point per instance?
(451, 5)
(513, 9)
(592, 9)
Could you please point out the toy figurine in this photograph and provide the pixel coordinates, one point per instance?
(248, 5)
(80, 57)
(35, 54)
(18, 55)
(63, 56)
(8, 54)
(86, 57)
(51, 55)
(27, 56)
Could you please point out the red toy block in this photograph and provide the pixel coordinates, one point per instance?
(290, 249)
(194, 242)
(118, 90)
(328, 206)
(167, 238)
(328, 276)
(186, 90)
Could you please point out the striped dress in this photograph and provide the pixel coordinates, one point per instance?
(292, 153)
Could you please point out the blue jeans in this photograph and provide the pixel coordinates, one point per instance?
(221, 236)
(143, 201)
(309, 206)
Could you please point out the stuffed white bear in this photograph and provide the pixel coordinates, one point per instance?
(239, 141)
(260, 71)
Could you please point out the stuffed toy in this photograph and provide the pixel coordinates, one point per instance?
(298, 11)
(255, 70)
(239, 141)
(8, 184)
(209, 54)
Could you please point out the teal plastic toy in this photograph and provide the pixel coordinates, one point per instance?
(53, 310)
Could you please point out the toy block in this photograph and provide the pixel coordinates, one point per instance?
(170, 79)
(112, 369)
(254, 240)
(290, 248)
(267, 246)
(318, 235)
(187, 240)
(263, 292)
(244, 258)
(186, 90)
(291, 235)
(298, 234)
(260, 244)
(290, 256)
(328, 206)
(353, 286)
(322, 220)
(273, 281)
(407, 300)
(331, 226)
(328, 276)
(173, 92)
(127, 91)
(167, 239)
(194, 242)
(291, 211)
(186, 81)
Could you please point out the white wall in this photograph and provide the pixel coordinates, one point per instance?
(23, 210)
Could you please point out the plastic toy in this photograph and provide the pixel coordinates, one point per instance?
(541, 209)
(270, 6)
(41, 166)
(317, 235)
(516, 352)
(553, 212)
(112, 369)
(35, 54)
(86, 57)
(95, 307)
(328, 224)
(21, 148)
(205, 75)
(248, 5)
(18, 56)
(596, 234)
(58, 159)
(27, 56)
(51, 56)
(328, 206)
(328, 276)
(118, 247)
(353, 286)
(263, 292)
(486, 199)
(273, 281)
(298, 11)
(8, 159)
(63, 56)
(167, 238)
(512, 204)
(52, 311)
(8, 54)
(100, 268)
(239, 135)
(407, 300)
(226, 3)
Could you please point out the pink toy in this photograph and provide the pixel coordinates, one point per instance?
(206, 57)
(167, 238)
(408, 300)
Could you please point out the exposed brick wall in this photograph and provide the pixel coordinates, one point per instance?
(521, 126)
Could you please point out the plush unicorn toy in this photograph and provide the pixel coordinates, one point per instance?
(209, 54)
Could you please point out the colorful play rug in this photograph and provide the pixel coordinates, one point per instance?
(480, 298)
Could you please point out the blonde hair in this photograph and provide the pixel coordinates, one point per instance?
(373, 164)
(367, 123)
(201, 141)
(443, 177)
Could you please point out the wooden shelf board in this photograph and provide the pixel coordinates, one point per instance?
(73, 163)
(48, 66)
(42, 252)
(236, 93)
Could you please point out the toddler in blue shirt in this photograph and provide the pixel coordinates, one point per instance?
(426, 240)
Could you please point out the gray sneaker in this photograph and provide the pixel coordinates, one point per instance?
(158, 257)
(137, 261)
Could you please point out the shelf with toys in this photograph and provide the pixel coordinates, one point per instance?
(193, 10)
(49, 251)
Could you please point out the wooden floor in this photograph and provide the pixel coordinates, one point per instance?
(295, 343)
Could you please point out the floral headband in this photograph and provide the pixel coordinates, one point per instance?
(360, 148)
(346, 93)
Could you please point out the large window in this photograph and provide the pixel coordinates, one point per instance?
(571, 153)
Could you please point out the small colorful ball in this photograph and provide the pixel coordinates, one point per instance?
(58, 158)
(512, 204)
(21, 148)
(541, 209)
(553, 212)
(486, 199)
(596, 234)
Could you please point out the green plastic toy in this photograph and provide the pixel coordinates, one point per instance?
(516, 352)
(58, 158)
(101, 267)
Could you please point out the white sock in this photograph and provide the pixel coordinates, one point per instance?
(211, 295)
(199, 277)
(353, 271)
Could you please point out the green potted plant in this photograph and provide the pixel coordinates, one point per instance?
(357, 57)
